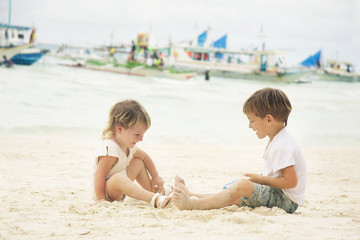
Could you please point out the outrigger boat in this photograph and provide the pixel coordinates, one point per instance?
(333, 70)
(260, 65)
(215, 59)
(17, 43)
(136, 63)
(339, 71)
(10, 48)
(184, 61)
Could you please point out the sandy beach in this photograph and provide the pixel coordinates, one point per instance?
(46, 192)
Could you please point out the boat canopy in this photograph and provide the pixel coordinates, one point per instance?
(220, 43)
(202, 39)
(312, 61)
(14, 27)
(11, 35)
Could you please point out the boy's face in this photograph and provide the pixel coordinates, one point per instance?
(260, 125)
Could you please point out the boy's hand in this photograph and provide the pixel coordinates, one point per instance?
(157, 184)
(255, 178)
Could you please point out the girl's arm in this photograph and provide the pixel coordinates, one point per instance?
(287, 180)
(150, 166)
(103, 167)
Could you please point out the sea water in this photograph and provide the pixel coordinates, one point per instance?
(48, 99)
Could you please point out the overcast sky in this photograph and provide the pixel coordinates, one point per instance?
(300, 27)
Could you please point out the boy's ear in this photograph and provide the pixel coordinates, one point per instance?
(269, 118)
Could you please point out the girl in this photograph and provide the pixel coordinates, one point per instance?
(119, 162)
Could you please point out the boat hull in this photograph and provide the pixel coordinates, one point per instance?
(28, 57)
(165, 73)
(240, 71)
(140, 72)
(9, 52)
(262, 76)
(345, 77)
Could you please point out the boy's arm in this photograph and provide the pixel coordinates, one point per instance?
(104, 165)
(150, 166)
(287, 180)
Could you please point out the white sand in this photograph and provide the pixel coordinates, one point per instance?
(45, 192)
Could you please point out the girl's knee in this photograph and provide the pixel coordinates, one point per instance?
(116, 178)
(113, 186)
(136, 163)
(135, 166)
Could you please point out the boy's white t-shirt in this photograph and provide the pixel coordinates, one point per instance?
(283, 152)
(110, 148)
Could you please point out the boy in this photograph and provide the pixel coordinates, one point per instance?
(283, 181)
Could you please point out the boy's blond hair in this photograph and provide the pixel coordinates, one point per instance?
(127, 114)
(269, 101)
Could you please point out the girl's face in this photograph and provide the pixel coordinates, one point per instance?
(129, 137)
(260, 125)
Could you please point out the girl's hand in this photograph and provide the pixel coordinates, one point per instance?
(97, 202)
(157, 184)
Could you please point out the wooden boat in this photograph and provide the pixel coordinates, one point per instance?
(260, 65)
(333, 70)
(214, 58)
(17, 43)
(339, 71)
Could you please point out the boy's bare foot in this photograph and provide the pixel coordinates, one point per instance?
(180, 183)
(183, 201)
(179, 180)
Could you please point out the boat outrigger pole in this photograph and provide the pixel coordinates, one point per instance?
(9, 22)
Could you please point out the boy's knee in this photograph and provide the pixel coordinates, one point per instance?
(243, 188)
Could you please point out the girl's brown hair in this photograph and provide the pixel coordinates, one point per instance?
(126, 113)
